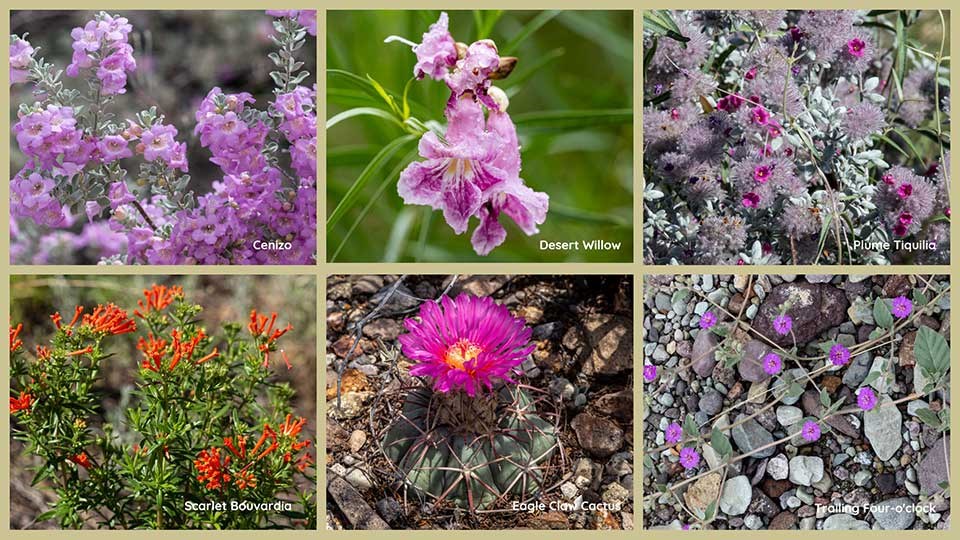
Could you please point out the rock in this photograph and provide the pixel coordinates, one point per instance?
(357, 440)
(896, 285)
(775, 488)
(844, 522)
(778, 467)
(615, 495)
(750, 435)
(881, 426)
(857, 370)
(662, 301)
(707, 283)
(618, 405)
(788, 416)
(549, 521)
(703, 492)
(894, 514)
(401, 299)
(711, 402)
(354, 507)
(752, 522)
(359, 479)
(933, 468)
(352, 405)
(390, 509)
(783, 521)
(813, 307)
(819, 278)
(597, 436)
(886, 483)
(751, 361)
(762, 505)
(861, 478)
(610, 339)
(385, 329)
(805, 470)
(736, 496)
(704, 353)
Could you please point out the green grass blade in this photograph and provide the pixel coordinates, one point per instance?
(372, 168)
(398, 234)
(573, 119)
(599, 33)
(535, 24)
(363, 111)
(586, 216)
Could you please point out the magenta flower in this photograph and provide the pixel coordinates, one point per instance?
(905, 218)
(751, 200)
(465, 344)
(437, 53)
(905, 190)
(901, 307)
(772, 364)
(649, 372)
(783, 324)
(856, 47)
(760, 115)
(761, 174)
(112, 148)
(810, 430)
(889, 179)
(866, 399)
(730, 103)
(689, 458)
(839, 355)
(708, 320)
(475, 172)
(673, 433)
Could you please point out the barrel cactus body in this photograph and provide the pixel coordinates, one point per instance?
(471, 451)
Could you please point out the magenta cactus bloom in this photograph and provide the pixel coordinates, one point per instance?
(761, 174)
(689, 458)
(905, 190)
(856, 47)
(760, 115)
(772, 364)
(783, 324)
(673, 433)
(649, 372)
(866, 399)
(901, 307)
(708, 320)
(839, 355)
(465, 344)
(751, 200)
(810, 431)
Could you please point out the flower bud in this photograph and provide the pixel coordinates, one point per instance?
(499, 97)
(507, 63)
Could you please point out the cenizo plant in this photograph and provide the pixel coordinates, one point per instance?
(206, 421)
(796, 137)
(128, 177)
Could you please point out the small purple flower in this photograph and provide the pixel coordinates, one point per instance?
(783, 324)
(761, 174)
(437, 53)
(689, 458)
(866, 399)
(810, 430)
(649, 372)
(673, 433)
(905, 190)
(772, 364)
(856, 47)
(839, 355)
(760, 115)
(708, 320)
(901, 307)
(751, 200)
(21, 54)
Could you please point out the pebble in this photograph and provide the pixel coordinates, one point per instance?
(805, 470)
(881, 425)
(788, 416)
(778, 467)
(357, 439)
(736, 496)
(862, 477)
(711, 402)
(844, 522)
(750, 435)
(894, 514)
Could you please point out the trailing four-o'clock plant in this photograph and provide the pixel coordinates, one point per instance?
(205, 420)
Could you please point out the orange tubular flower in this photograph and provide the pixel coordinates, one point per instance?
(153, 350)
(268, 433)
(86, 350)
(262, 326)
(21, 403)
(82, 459)
(240, 449)
(245, 478)
(15, 341)
(157, 297)
(109, 319)
(211, 470)
(43, 353)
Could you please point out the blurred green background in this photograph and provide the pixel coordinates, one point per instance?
(570, 96)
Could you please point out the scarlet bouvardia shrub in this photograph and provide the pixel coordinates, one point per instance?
(206, 422)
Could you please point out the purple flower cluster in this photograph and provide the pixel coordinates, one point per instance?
(102, 45)
(474, 171)
(21, 54)
(259, 212)
(763, 141)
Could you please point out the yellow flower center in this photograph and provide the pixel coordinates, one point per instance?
(460, 353)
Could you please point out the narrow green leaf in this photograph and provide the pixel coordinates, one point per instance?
(710, 512)
(871, 377)
(901, 58)
(573, 119)
(690, 428)
(363, 111)
(824, 398)
(929, 418)
(387, 98)
(720, 443)
(532, 26)
(372, 168)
